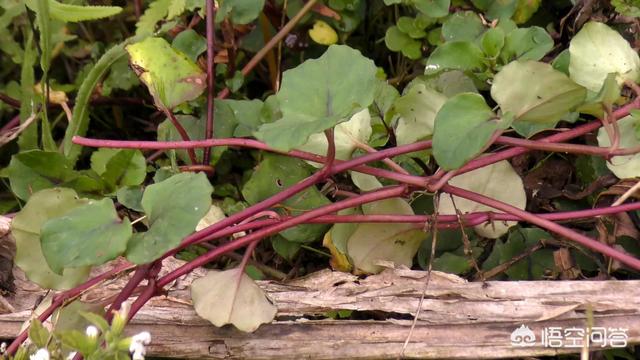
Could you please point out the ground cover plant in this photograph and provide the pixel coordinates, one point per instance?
(490, 139)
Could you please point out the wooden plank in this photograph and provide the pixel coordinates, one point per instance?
(459, 320)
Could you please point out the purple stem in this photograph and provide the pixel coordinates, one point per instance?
(211, 76)
(546, 224)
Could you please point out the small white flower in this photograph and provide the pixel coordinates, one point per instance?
(41, 354)
(124, 309)
(137, 350)
(71, 355)
(92, 331)
(141, 338)
(3, 348)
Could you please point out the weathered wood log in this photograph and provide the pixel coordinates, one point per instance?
(458, 320)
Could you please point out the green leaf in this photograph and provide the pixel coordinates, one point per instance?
(627, 166)
(78, 341)
(417, 110)
(463, 127)
(462, 26)
(596, 103)
(320, 94)
(28, 140)
(90, 234)
(498, 181)
(535, 92)
(231, 297)
(492, 42)
(176, 8)
(285, 248)
(120, 77)
(38, 334)
(276, 173)
(195, 129)
(190, 43)
(34, 170)
(173, 208)
(171, 77)
(120, 167)
(398, 41)
(596, 51)
(525, 9)
(240, 11)
(630, 8)
(455, 55)
(433, 8)
(42, 206)
(76, 13)
(526, 44)
(157, 10)
(130, 197)
(535, 266)
(370, 243)
(347, 137)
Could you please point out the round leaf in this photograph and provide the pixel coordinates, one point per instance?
(90, 234)
(25, 227)
(462, 26)
(498, 181)
(598, 50)
(417, 109)
(463, 127)
(526, 44)
(455, 55)
(173, 207)
(323, 33)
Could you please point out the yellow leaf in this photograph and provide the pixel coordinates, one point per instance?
(55, 96)
(339, 261)
(323, 33)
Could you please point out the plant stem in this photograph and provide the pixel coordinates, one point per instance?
(255, 60)
(183, 134)
(567, 148)
(546, 224)
(211, 76)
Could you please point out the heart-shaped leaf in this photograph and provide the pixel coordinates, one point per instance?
(498, 181)
(25, 227)
(463, 127)
(31, 171)
(231, 297)
(320, 94)
(171, 77)
(597, 51)
(119, 167)
(90, 234)
(173, 207)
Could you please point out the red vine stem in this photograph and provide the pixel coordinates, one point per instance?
(546, 224)
(60, 299)
(211, 77)
(183, 134)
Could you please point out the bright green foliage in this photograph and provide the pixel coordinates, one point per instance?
(90, 234)
(396, 40)
(231, 297)
(596, 103)
(456, 55)
(190, 43)
(462, 26)
(597, 51)
(31, 171)
(320, 94)
(276, 173)
(119, 167)
(176, 8)
(492, 42)
(171, 77)
(75, 13)
(130, 197)
(417, 110)
(629, 8)
(41, 207)
(239, 11)
(173, 208)
(157, 10)
(432, 8)
(463, 127)
(285, 248)
(498, 181)
(526, 44)
(535, 92)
